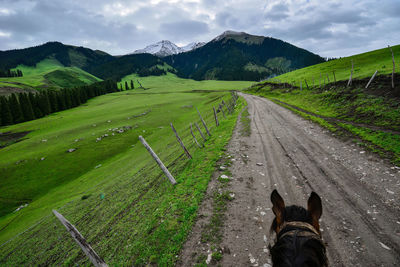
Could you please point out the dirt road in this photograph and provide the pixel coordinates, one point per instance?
(360, 192)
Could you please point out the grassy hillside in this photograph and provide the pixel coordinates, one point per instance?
(155, 84)
(109, 187)
(370, 116)
(49, 73)
(364, 66)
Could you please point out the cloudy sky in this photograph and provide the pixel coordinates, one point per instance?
(329, 28)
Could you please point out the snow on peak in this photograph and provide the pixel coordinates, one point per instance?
(165, 48)
(192, 46)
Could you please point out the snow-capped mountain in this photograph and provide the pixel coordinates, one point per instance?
(162, 49)
(165, 48)
(192, 46)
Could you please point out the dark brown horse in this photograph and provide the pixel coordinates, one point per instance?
(299, 241)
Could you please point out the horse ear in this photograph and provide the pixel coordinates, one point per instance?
(278, 207)
(314, 207)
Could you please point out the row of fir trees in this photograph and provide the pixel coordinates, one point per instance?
(127, 86)
(11, 73)
(21, 107)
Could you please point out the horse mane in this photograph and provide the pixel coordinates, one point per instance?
(297, 250)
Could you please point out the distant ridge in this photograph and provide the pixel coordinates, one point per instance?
(241, 56)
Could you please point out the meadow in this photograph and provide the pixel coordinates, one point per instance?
(364, 66)
(48, 73)
(109, 187)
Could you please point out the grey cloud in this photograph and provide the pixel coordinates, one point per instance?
(277, 12)
(322, 27)
(183, 29)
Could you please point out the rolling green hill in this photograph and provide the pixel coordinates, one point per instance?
(365, 65)
(109, 187)
(48, 73)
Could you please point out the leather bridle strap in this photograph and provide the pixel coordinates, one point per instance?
(310, 230)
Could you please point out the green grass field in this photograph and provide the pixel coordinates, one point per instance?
(364, 66)
(49, 73)
(156, 84)
(111, 190)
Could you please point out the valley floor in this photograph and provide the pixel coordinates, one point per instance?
(360, 193)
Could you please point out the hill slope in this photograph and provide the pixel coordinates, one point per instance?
(48, 73)
(365, 65)
(241, 56)
(67, 55)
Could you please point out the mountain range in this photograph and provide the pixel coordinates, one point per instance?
(229, 56)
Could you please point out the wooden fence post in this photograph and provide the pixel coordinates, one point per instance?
(87, 249)
(320, 76)
(393, 66)
(157, 159)
(301, 85)
(180, 142)
(204, 123)
(216, 118)
(221, 107)
(194, 137)
(370, 80)
(201, 133)
(334, 76)
(306, 84)
(351, 74)
(327, 76)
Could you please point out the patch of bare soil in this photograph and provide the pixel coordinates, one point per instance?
(360, 192)
(9, 138)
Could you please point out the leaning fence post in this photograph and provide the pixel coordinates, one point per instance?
(327, 76)
(370, 80)
(87, 249)
(157, 159)
(180, 142)
(201, 133)
(204, 123)
(351, 74)
(393, 66)
(216, 118)
(334, 76)
(227, 107)
(221, 107)
(194, 137)
(320, 76)
(306, 84)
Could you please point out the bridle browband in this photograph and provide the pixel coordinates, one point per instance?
(302, 229)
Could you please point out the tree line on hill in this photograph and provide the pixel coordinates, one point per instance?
(11, 73)
(22, 107)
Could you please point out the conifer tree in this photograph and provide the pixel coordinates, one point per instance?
(132, 85)
(15, 109)
(45, 102)
(34, 99)
(5, 112)
(53, 101)
(126, 85)
(26, 107)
